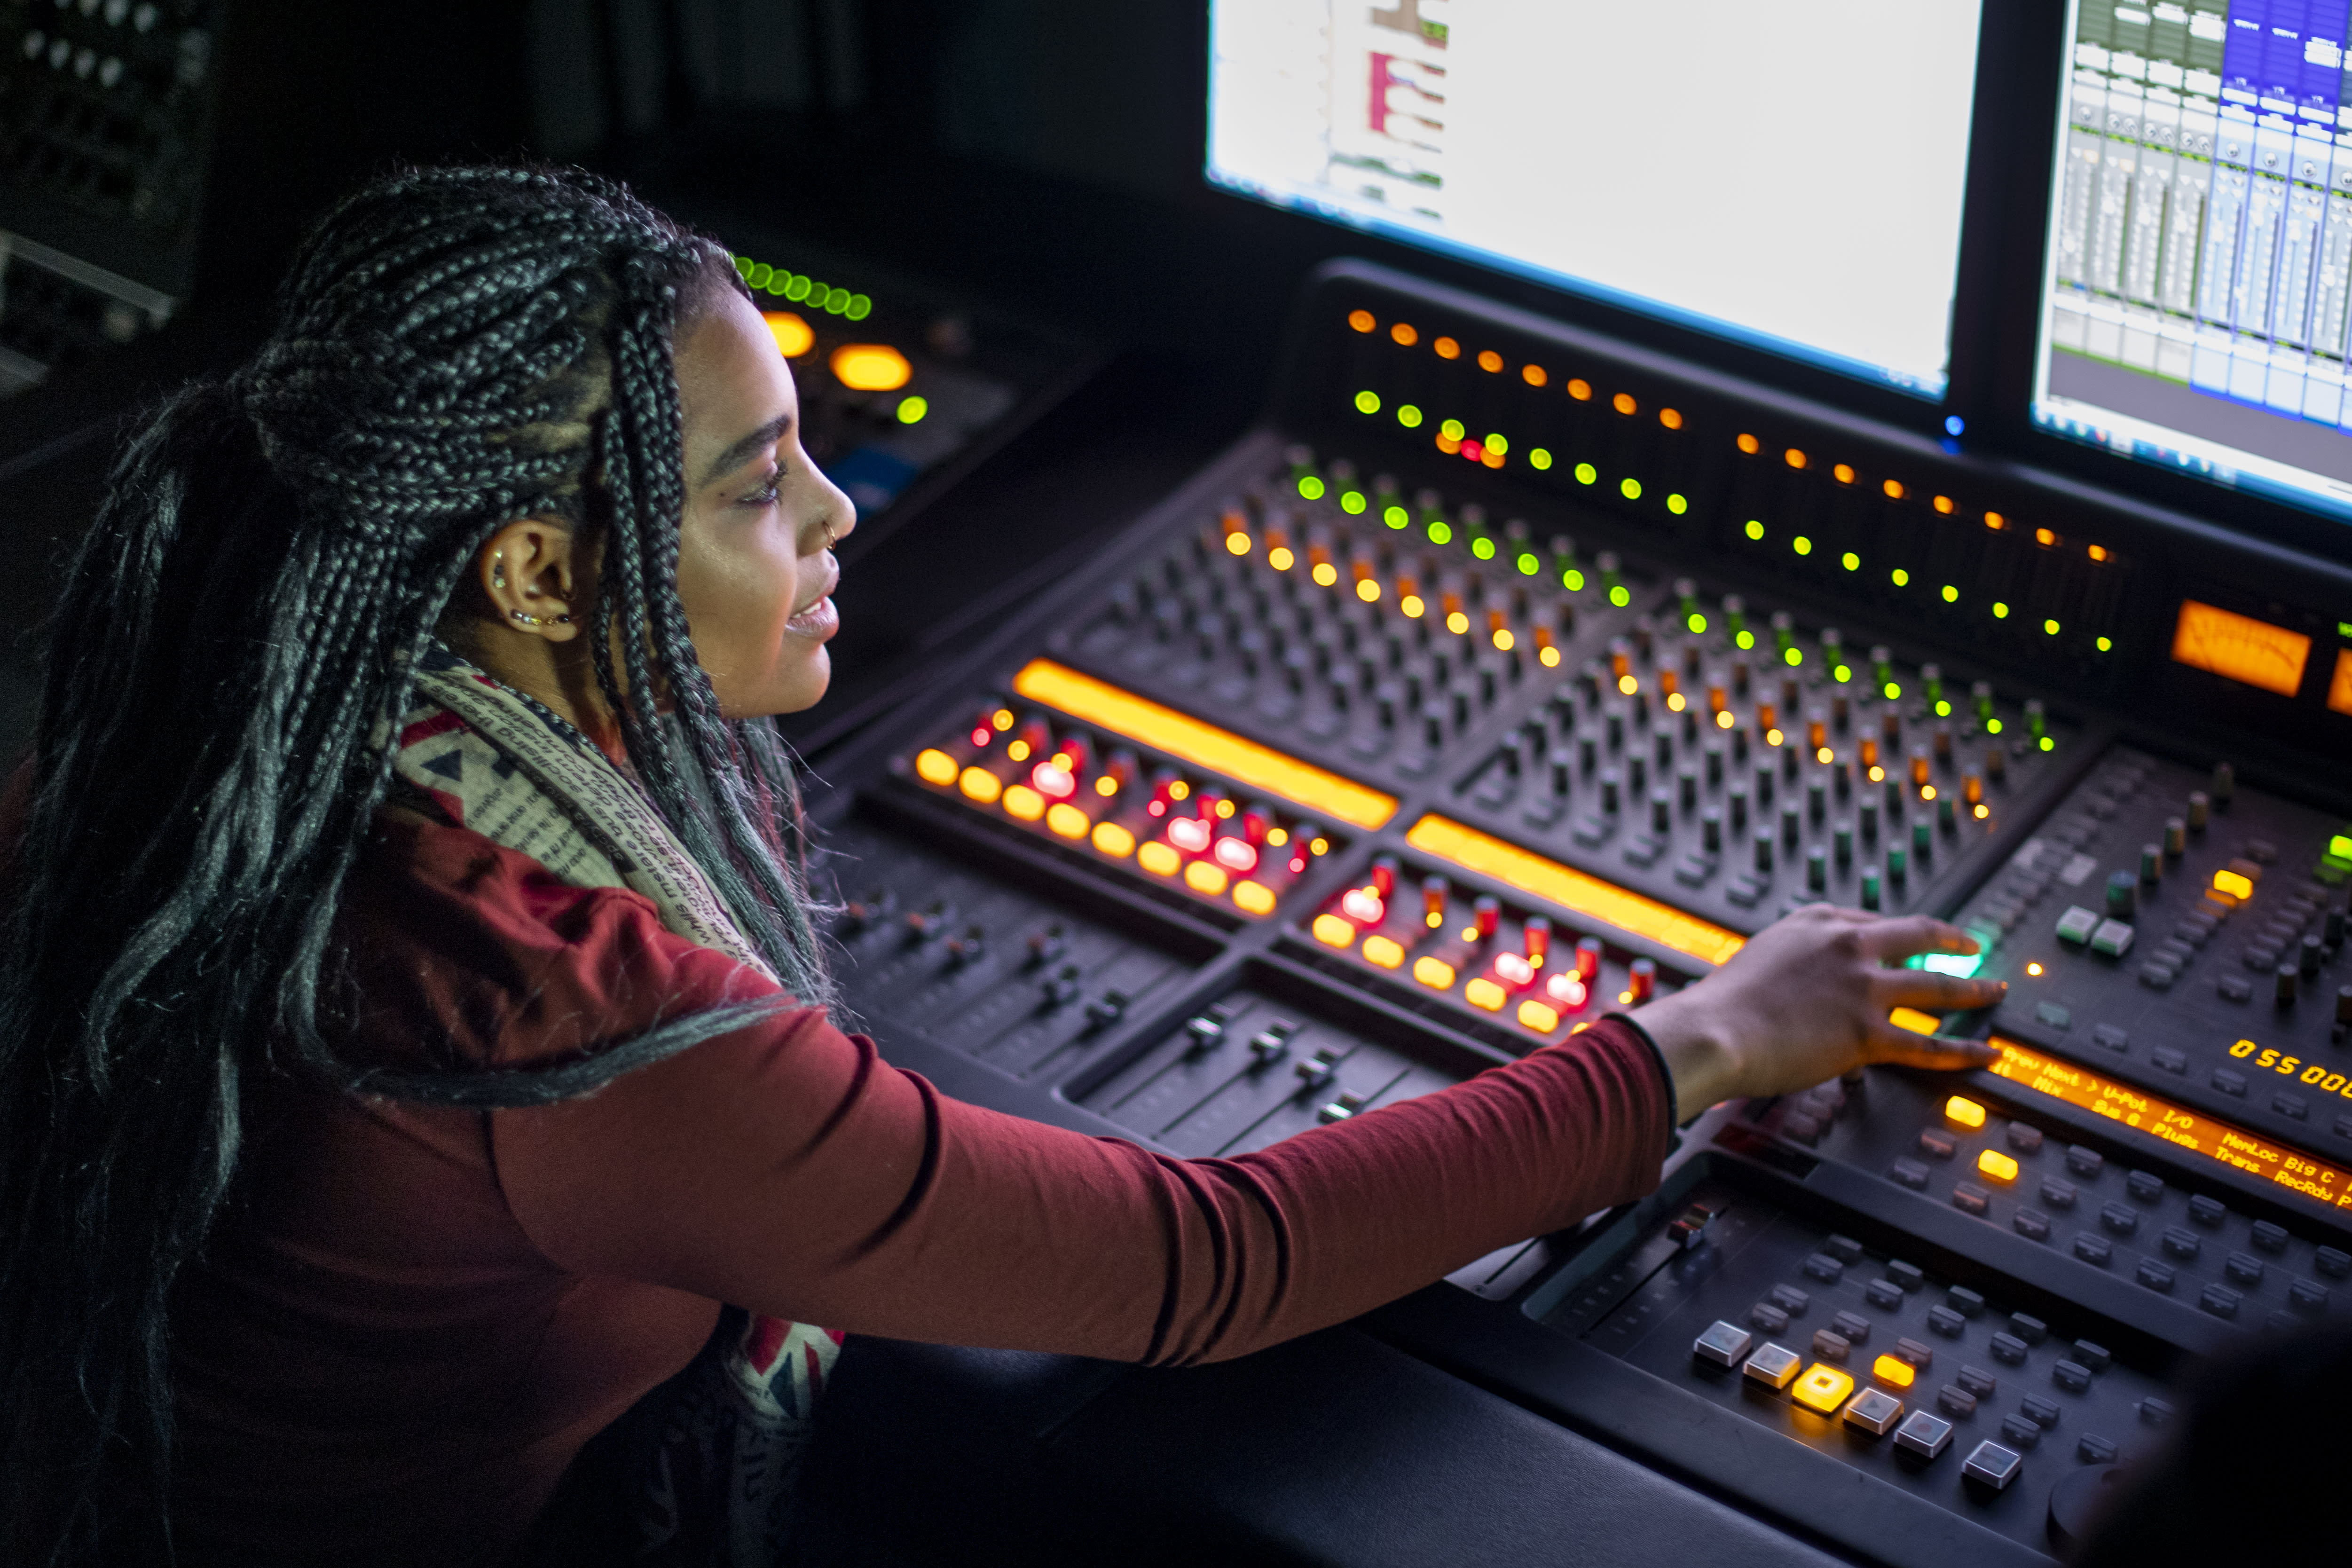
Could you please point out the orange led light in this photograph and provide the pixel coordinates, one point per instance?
(1332, 930)
(1844, 472)
(1623, 403)
(2339, 685)
(1160, 859)
(1580, 390)
(1533, 375)
(1573, 891)
(870, 367)
(1995, 521)
(1205, 877)
(1067, 821)
(1434, 972)
(2240, 648)
(1447, 348)
(1361, 320)
(1254, 897)
(1793, 458)
(1484, 994)
(1962, 1111)
(2193, 1131)
(1893, 1372)
(1219, 751)
(1489, 361)
(2044, 536)
(1750, 445)
(1915, 1021)
(934, 767)
(1237, 542)
(1380, 950)
(1672, 418)
(792, 335)
(1996, 1166)
(1021, 801)
(1535, 1016)
(1113, 840)
(2237, 884)
(1404, 333)
(1822, 1389)
(1944, 504)
(1894, 488)
(2033, 969)
(980, 784)
(2098, 553)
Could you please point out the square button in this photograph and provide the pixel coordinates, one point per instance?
(1822, 1389)
(1924, 1435)
(1774, 1366)
(2078, 925)
(1723, 1343)
(1875, 1411)
(1993, 1464)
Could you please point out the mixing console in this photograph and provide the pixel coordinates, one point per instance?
(1340, 778)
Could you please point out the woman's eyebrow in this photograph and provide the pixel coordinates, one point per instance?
(742, 451)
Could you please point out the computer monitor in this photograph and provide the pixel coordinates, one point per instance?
(2197, 286)
(1790, 175)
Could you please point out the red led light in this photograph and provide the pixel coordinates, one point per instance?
(982, 734)
(1237, 854)
(1363, 906)
(1298, 863)
(1158, 808)
(1473, 451)
(1567, 990)
(1189, 833)
(1514, 970)
(1054, 781)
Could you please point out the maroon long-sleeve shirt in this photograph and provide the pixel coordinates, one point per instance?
(410, 1320)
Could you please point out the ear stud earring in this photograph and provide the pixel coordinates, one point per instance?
(540, 620)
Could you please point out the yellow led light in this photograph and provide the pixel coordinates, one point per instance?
(1254, 897)
(1325, 573)
(1484, 993)
(1369, 590)
(1573, 891)
(1962, 1111)
(1262, 768)
(870, 367)
(1180, 790)
(1676, 702)
(1724, 721)
(1024, 803)
(1278, 836)
(1913, 1019)
(1627, 685)
(792, 335)
(1018, 750)
(1280, 558)
(1237, 542)
(2235, 884)
(1205, 877)
(1535, 1016)
(1160, 859)
(980, 784)
(1106, 786)
(1548, 657)
(1504, 640)
(2033, 969)
(1114, 840)
(1067, 820)
(934, 767)
(1411, 606)
(1457, 622)
(1823, 1388)
(1383, 951)
(1893, 1372)
(1334, 930)
(1434, 972)
(1997, 1165)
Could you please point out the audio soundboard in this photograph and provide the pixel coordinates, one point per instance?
(1507, 675)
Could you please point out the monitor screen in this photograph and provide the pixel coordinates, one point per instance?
(2199, 264)
(1790, 175)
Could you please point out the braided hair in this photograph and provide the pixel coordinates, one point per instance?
(457, 348)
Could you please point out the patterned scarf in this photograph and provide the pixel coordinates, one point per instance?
(713, 1477)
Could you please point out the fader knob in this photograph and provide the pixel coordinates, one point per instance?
(1842, 843)
(1816, 800)
(1898, 867)
(2199, 805)
(1611, 785)
(1923, 841)
(1996, 764)
(2331, 931)
(1737, 796)
(2224, 785)
(2151, 863)
(1817, 870)
(1947, 821)
(1790, 831)
(1870, 899)
(2283, 983)
(1485, 914)
(1763, 785)
(2307, 959)
(1869, 810)
(1710, 830)
(1641, 980)
(1536, 937)
(1687, 788)
(2344, 1005)
(1763, 842)
(2123, 895)
(1560, 764)
(1980, 699)
(1714, 755)
(2176, 836)
(1662, 811)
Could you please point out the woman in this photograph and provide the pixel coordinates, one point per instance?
(414, 1028)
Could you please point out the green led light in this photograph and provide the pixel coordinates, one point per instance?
(1801, 545)
(2048, 744)
(1677, 505)
(1528, 565)
(1572, 580)
(743, 265)
(836, 300)
(1310, 486)
(1439, 533)
(780, 282)
(1352, 503)
(1409, 416)
(1538, 458)
(1746, 639)
(2105, 644)
(912, 409)
(1586, 473)
(1943, 709)
(758, 275)
(2340, 846)
(2343, 628)
(1850, 561)
(1992, 726)
(2050, 628)
(1894, 691)
(1451, 429)
(1497, 444)
(1396, 517)
(1367, 402)
(1951, 594)
(798, 289)
(1619, 596)
(1843, 673)
(1630, 488)
(1999, 611)
(1794, 657)
(1902, 578)
(1754, 530)
(1963, 965)
(1698, 623)
(1482, 547)
(860, 307)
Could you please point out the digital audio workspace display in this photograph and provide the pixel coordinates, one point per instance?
(1788, 175)
(2197, 282)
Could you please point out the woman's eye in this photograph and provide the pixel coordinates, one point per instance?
(767, 494)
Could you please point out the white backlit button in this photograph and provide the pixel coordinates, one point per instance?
(1723, 1343)
(1774, 1366)
(1924, 1435)
(1874, 1411)
(1993, 1464)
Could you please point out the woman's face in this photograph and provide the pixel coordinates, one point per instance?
(755, 566)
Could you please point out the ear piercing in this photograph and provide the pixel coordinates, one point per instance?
(540, 620)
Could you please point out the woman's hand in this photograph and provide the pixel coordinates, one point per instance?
(1808, 999)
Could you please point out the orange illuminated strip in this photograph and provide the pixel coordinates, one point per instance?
(1574, 891)
(1219, 751)
(2177, 1125)
(2240, 648)
(2339, 686)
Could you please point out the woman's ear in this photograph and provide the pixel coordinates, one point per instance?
(534, 580)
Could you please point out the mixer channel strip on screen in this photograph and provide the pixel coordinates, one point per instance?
(1349, 772)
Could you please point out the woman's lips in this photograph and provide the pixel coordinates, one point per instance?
(820, 620)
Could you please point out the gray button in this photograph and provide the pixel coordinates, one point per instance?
(2021, 1430)
(1993, 1464)
(1884, 1294)
(1767, 1317)
(1790, 1300)
(1774, 1366)
(2008, 1348)
(1924, 1435)
(1956, 1401)
(2044, 1412)
(1852, 1325)
(1874, 1411)
(1831, 1345)
(1723, 1343)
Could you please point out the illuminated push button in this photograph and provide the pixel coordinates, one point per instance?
(1822, 1389)
(936, 767)
(1894, 1371)
(1774, 1366)
(1484, 993)
(1924, 1435)
(1962, 1111)
(1993, 1465)
(1874, 1411)
(1434, 972)
(1380, 950)
(1994, 1165)
(1723, 1343)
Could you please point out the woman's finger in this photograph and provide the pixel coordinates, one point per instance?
(1890, 1044)
(1914, 934)
(1933, 992)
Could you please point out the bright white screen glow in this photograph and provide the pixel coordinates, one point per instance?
(1789, 173)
